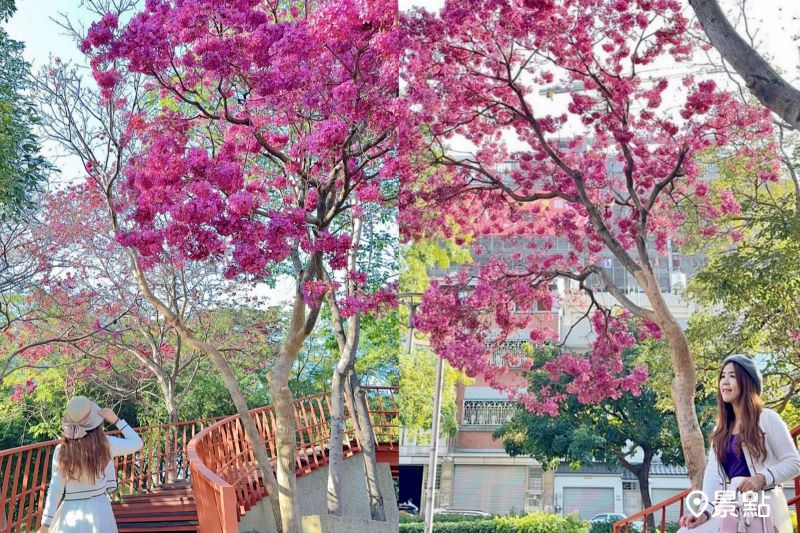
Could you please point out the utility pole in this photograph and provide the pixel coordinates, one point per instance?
(433, 463)
(430, 490)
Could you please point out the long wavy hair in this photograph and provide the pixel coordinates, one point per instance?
(750, 433)
(86, 457)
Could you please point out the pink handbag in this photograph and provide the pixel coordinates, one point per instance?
(745, 523)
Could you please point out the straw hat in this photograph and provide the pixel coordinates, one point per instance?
(82, 415)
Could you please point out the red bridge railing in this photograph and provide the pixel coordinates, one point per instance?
(226, 462)
(226, 480)
(25, 471)
(659, 511)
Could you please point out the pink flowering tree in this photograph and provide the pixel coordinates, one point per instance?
(277, 123)
(82, 242)
(609, 174)
(42, 308)
(94, 124)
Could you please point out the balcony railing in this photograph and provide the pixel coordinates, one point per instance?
(487, 413)
(509, 353)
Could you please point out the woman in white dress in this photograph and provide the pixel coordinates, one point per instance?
(83, 474)
(751, 449)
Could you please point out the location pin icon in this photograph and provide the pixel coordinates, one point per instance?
(696, 502)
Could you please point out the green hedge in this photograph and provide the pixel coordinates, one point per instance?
(602, 527)
(532, 523)
(406, 518)
(466, 526)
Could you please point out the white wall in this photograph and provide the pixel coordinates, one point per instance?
(673, 482)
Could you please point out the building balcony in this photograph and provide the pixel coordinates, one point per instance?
(483, 413)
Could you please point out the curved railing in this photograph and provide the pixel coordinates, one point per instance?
(659, 510)
(25, 471)
(226, 479)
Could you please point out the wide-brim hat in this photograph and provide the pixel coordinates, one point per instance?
(82, 415)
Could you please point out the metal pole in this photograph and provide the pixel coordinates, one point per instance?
(432, 464)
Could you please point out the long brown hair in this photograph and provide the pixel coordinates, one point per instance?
(86, 457)
(750, 433)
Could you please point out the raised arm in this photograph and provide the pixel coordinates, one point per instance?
(130, 441)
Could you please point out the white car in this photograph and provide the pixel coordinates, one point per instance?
(615, 517)
(463, 512)
(607, 517)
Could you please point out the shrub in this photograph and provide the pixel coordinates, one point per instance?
(532, 523)
(542, 523)
(602, 527)
(408, 518)
(465, 526)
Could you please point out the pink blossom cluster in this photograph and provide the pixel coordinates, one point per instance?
(21, 391)
(272, 127)
(621, 183)
(314, 291)
(369, 303)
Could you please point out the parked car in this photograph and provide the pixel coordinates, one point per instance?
(615, 517)
(408, 507)
(607, 517)
(462, 512)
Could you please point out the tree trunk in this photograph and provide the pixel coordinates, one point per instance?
(684, 383)
(285, 441)
(366, 437)
(348, 344)
(683, 393)
(171, 445)
(336, 443)
(766, 85)
(248, 423)
(229, 379)
(643, 475)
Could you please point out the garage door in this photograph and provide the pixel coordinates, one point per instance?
(674, 510)
(588, 501)
(494, 489)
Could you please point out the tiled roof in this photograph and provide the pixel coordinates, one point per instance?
(656, 469)
(595, 468)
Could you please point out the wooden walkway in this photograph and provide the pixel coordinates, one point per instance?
(167, 509)
(219, 479)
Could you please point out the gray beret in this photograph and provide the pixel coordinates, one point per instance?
(749, 366)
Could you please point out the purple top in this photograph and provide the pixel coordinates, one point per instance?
(735, 464)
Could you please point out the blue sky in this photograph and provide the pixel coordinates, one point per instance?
(32, 24)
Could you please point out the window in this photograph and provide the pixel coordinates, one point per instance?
(534, 499)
